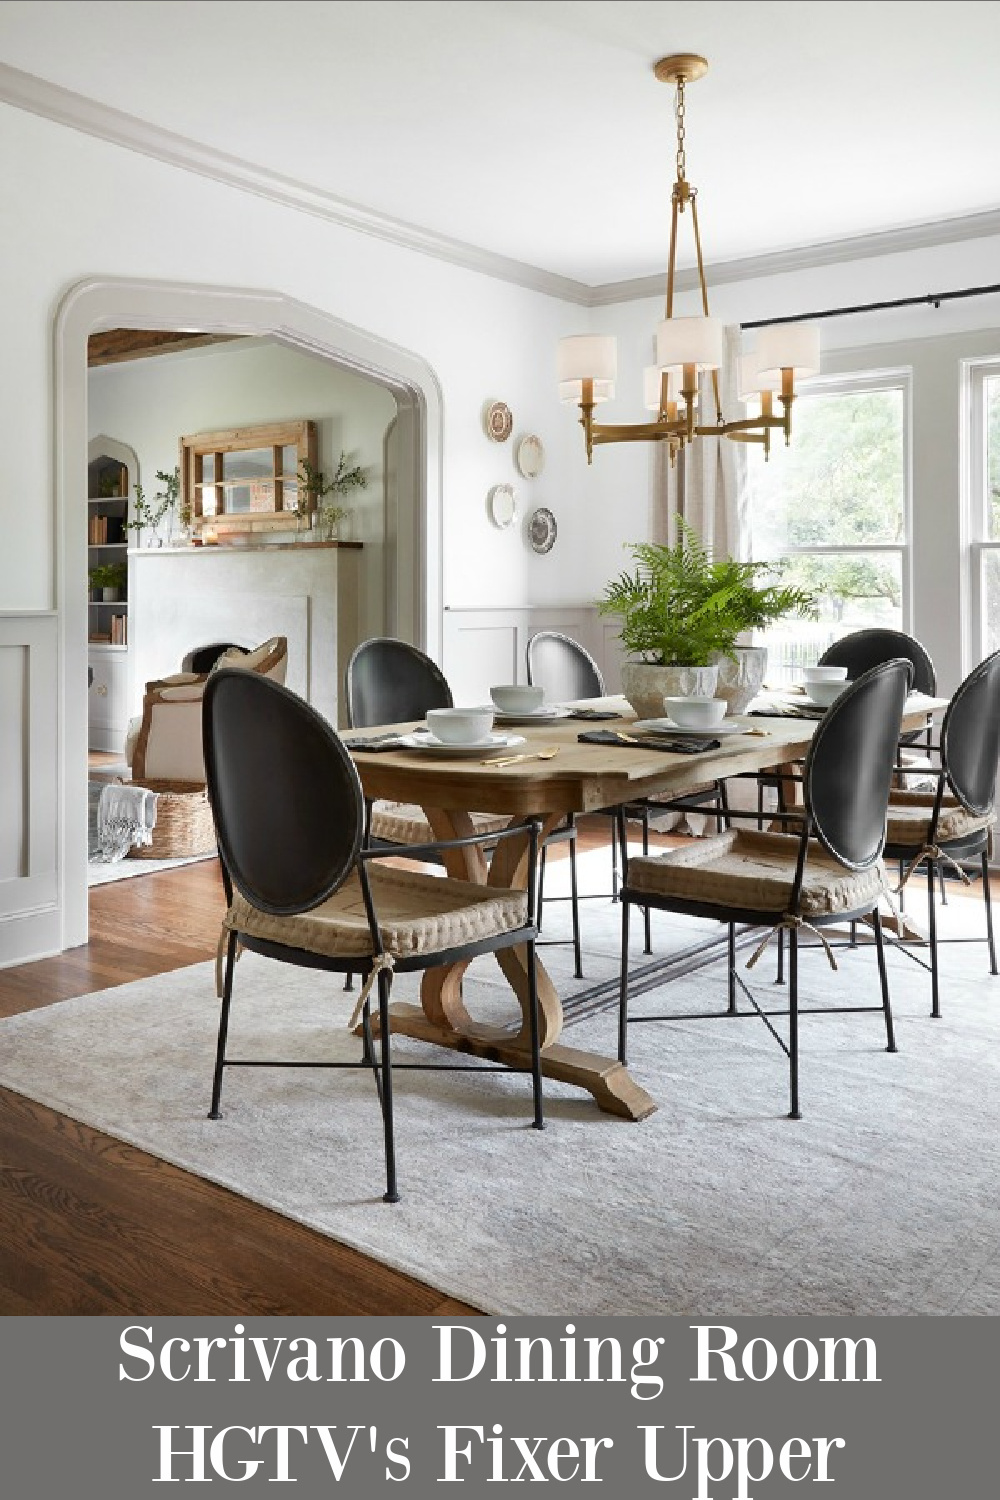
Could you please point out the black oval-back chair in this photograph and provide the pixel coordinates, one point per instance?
(951, 824)
(302, 888)
(830, 871)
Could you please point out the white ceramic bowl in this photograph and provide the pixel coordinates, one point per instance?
(825, 693)
(517, 698)
(824, 674)
(695, 712)
(460, 726)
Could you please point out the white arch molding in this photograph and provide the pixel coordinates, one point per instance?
(97, 304)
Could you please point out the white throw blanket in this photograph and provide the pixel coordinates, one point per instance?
(126, 817)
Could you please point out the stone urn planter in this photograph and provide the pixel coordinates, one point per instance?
(741, 676)
(646, 685)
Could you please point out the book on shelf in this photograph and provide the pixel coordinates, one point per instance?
(99, 638)
(119, 630)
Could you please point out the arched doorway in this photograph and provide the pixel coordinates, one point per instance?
(98, 304)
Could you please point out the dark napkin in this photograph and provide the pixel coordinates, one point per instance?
(677, 744)
(804, 710)
(372, 742)
(594, 713)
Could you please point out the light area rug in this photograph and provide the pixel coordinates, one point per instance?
(881, 1200)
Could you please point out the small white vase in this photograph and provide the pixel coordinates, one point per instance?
(741, 676)
(646, 685)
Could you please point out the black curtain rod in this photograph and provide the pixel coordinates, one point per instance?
(933, 299)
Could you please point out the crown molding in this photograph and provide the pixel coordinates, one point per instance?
(806, 257)
(64, 107)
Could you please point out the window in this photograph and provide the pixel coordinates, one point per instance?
(834, 506)
(984, 489)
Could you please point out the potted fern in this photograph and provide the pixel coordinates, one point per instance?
(681, 614)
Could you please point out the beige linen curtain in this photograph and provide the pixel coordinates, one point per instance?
(707, 487)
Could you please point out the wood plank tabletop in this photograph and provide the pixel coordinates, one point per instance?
(583, 777)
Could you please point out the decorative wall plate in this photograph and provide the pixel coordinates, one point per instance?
(498, 421)
(530, 456)
(502, 505)
(542, 530)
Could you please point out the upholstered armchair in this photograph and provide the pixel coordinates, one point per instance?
(168, 743)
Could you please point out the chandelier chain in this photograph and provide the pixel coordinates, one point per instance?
(679, 116)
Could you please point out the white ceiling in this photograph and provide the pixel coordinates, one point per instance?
(537, 130)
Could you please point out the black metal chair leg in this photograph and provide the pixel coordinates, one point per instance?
(541, 887)
(618, 827)
(989, 913)
(901, 888)
(574, 896)
(731, 954)
(391, 1194)
(538, 1122)
(944, 893)
(883, 976)
(647, 946)
(793, 1023)
(722, 816)
(780, 979)
(220, 1053)
(932, 939)
(854, 934)
(623, 989)
(348, 980)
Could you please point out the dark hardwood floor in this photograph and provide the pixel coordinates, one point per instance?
(89, 1225)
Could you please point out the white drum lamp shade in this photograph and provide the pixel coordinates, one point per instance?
(789, 346)
(587, 356)
(690, 341)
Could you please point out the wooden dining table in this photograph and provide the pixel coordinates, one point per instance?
(579, 778)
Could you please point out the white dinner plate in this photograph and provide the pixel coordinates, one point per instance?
(530, 715)
(667, 726)
(431, 745)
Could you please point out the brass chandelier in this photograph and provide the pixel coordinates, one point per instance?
(687, 347)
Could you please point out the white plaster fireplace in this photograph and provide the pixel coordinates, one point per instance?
(183, 597)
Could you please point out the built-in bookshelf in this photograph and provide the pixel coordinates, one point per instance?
(112, 472)
(107, 552)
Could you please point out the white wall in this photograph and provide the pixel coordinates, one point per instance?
(157, 401)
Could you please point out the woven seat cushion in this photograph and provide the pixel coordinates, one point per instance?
(910, 819)
(754, 871)
(404, 823)
(417, 914)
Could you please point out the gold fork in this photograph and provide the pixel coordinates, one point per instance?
(513, 760)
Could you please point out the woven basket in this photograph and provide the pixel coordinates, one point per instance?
(184, 825)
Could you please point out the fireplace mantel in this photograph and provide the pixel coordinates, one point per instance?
(183, 597)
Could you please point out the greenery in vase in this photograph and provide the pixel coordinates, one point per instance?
(680, 605)
(108, 576)
(168, 496)
(314, 488)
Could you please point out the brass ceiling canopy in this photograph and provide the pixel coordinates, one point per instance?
(688, 347)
